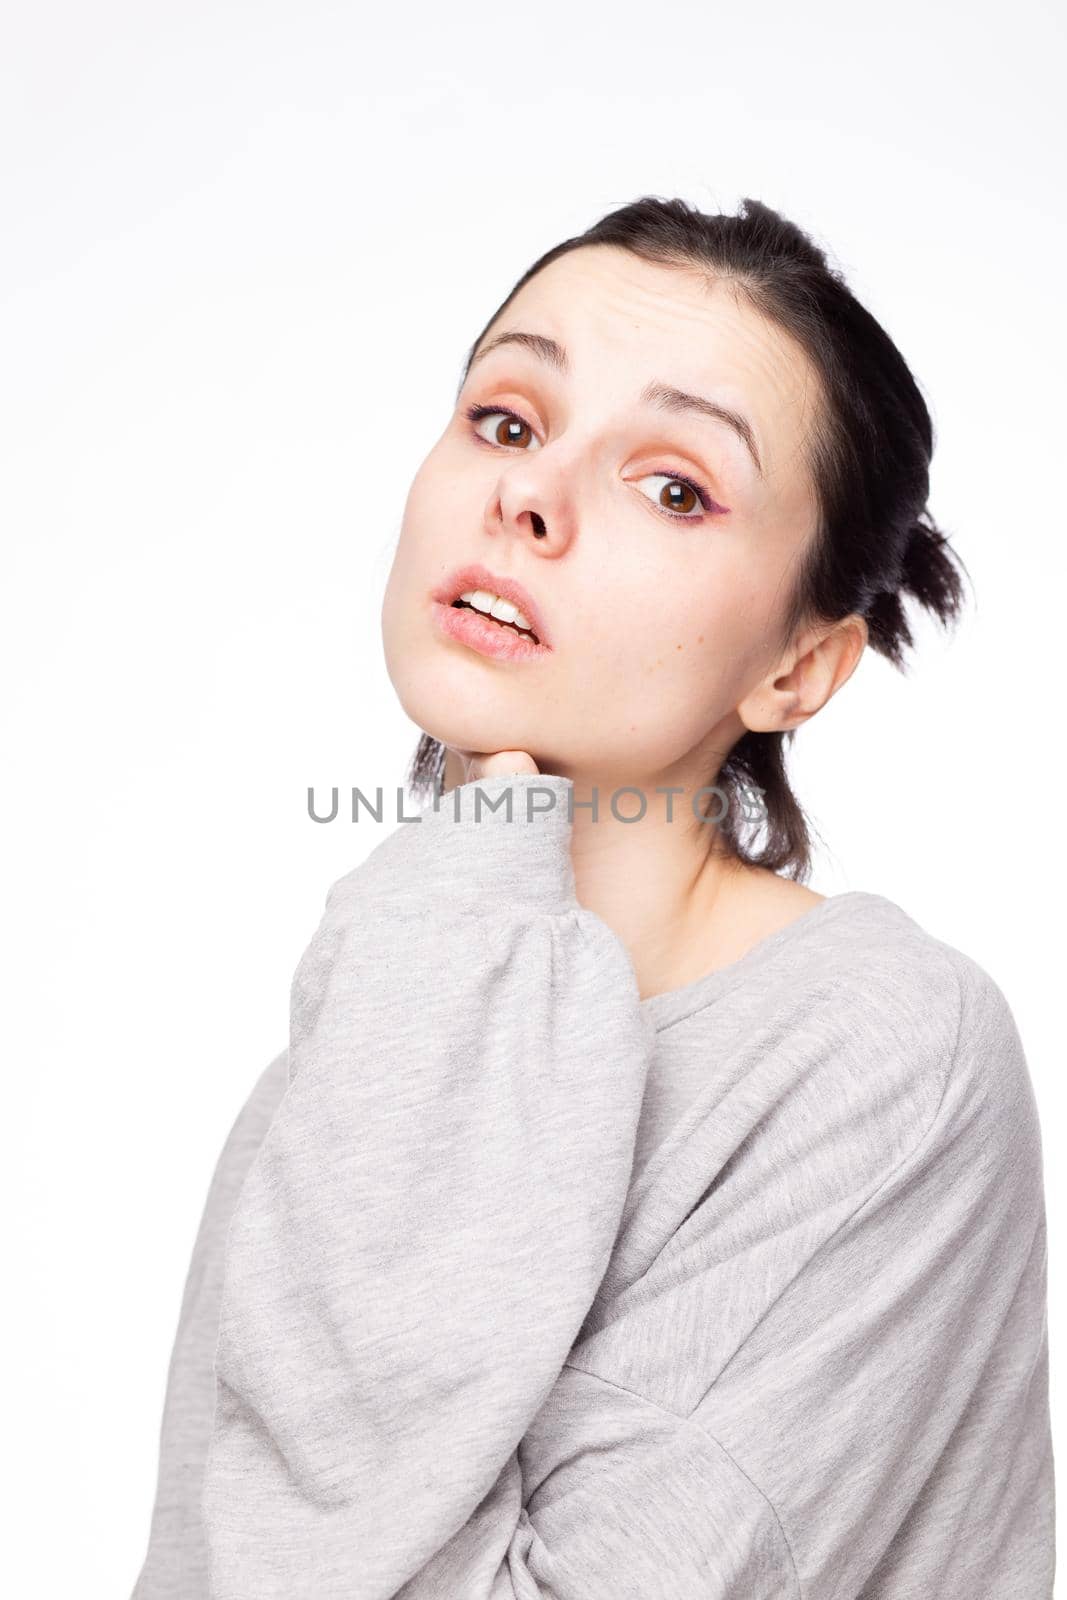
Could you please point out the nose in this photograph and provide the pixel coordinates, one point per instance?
(532, 506)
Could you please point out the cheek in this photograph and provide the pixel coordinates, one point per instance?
(440, 523)
(410, 578)
(656, 683)
(665, 644)
(424, 550)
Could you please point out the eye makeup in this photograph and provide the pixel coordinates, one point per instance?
(476, 412)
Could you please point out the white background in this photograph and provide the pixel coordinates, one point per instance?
(244, 250)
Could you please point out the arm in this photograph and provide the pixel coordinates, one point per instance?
(175, 1563)
(430, 1215)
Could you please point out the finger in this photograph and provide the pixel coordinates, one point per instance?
(502, 763)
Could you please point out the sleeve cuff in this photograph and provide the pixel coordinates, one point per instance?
(504, 840)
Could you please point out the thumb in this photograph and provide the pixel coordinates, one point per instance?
(501, 764)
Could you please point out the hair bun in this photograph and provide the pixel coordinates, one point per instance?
(928, 571)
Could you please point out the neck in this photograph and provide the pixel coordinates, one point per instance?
(661, 882)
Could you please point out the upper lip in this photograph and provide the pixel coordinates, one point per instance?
(475, 576)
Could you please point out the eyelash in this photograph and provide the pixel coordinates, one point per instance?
(475, 414)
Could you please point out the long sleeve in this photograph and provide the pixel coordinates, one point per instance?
(485, 1333)
(430, 1214)
(175, 1563)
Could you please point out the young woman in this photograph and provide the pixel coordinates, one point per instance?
(624, 1218)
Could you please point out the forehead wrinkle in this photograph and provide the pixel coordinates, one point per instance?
(630, 300)
(656, 394)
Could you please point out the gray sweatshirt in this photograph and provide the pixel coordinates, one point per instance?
(511, 1285)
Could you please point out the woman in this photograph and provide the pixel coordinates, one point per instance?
(625, 1218)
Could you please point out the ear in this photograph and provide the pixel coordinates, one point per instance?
(818, 663)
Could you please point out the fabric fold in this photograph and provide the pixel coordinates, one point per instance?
(431, 1211)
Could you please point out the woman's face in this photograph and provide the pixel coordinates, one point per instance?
(659, 606)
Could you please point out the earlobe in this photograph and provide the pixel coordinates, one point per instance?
(784, 699)
(773, 707)
(822, 663)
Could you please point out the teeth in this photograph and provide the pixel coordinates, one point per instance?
(493, 606)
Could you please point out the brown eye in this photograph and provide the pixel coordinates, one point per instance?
(678, 497)
(511, 431)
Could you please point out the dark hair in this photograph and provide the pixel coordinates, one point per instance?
(870, 453)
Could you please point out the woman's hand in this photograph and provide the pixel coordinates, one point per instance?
(466, 766)
(498, 764)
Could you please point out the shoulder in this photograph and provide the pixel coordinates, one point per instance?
(862, 973)
(880, 950)
(882, 1019)
(881, 965)
(911, 997)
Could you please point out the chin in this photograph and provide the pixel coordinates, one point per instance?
(453, 699)
(452, 712)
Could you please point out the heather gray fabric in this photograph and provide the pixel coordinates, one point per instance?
(519, 1286)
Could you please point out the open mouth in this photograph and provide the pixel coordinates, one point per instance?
(523, 632)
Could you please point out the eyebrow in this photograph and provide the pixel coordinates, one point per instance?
(663, 396)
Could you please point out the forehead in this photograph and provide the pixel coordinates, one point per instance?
(624, 321)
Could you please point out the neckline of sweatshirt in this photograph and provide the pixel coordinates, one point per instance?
(673, 1005)
(544, 833)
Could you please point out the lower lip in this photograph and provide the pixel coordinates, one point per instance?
(489, 638)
